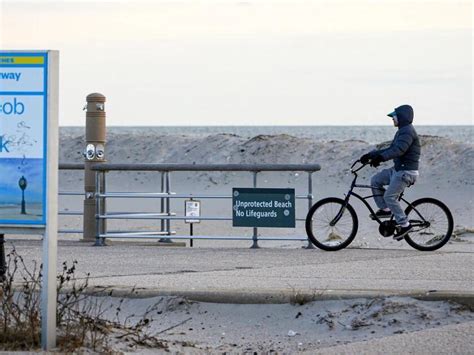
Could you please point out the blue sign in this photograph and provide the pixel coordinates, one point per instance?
(23, 137)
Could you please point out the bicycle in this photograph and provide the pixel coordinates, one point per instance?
(332, 223)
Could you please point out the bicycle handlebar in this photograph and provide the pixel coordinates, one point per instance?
(359, 168)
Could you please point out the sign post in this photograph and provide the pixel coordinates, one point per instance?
(192, 208)
(29, 162)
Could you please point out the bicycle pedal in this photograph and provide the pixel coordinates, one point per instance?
(400, 237)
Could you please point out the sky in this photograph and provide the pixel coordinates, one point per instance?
(254, 62)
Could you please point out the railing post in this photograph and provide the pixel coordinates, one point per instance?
(168, 209)
(103, 205)
(255, 229)
(98, 209)
(310, 203)
(3, 266)
(162, 202)
(165, 206)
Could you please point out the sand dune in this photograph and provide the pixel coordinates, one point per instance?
(443, 160)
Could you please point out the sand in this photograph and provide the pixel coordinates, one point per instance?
(198, 327)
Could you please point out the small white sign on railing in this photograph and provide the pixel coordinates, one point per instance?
(192, 208)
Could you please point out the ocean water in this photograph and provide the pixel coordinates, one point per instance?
(370, 134)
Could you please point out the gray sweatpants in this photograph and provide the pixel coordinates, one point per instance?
(397, 181)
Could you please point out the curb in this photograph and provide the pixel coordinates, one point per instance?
(140, 242)
(286, 296)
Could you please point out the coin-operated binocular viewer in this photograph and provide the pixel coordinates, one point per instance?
(94, 153)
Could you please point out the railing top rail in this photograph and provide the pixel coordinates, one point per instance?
(207, 167)
(71, 166)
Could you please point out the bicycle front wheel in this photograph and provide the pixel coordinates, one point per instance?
(432, 224)
(331, 224)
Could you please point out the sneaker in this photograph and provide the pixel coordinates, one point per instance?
(402, 232)
(381, 214)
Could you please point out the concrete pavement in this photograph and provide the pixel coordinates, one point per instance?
(241, 275)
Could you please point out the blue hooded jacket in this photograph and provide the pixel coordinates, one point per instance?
(405, 149)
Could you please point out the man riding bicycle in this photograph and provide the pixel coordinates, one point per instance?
(405, 151)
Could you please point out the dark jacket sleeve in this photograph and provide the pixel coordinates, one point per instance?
(399, 146)
(375, 152)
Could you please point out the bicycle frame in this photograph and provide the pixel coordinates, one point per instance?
(350, 193)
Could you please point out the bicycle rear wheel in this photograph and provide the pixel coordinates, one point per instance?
(331, 225)
(432, 224)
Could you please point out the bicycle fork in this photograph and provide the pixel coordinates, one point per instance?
(340, 213)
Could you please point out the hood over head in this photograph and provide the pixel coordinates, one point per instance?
(404, 115)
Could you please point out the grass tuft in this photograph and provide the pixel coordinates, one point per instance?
(85, 319)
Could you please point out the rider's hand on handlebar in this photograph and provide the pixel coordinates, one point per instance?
(376, 160)
(365, 159)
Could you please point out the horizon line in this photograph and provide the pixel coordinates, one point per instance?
(319, 125)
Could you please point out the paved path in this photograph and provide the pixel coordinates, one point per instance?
(267, 275)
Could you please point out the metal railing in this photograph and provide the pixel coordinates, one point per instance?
(165, 215)
(68, 167)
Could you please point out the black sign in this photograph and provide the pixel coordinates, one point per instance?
(256, 207)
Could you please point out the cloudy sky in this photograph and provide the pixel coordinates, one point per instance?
(255, 62)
